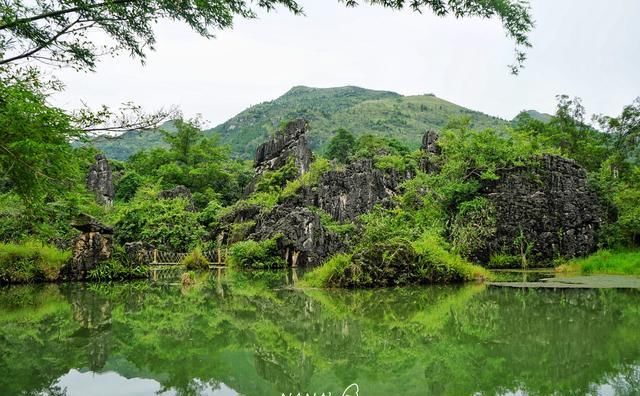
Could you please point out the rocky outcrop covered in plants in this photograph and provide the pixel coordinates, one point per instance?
(290, 142)
(299, 221)
(543, 210)
(302, 238)
(430, 150)
(100, 180)
(178, 192)
(93, 246)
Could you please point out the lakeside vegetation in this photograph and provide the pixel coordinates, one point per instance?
(605, 262)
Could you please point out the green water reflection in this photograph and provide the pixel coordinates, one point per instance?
(240, 334)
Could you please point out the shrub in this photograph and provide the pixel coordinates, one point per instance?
(252, 254)
(119, 267)
(115, 270)
(167, 223)
(309, 179)
(195, 260)
(473, 225)
(30, 261)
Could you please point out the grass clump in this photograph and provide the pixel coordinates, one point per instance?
(256, 255)
(325, 274)
(195, 260)
(502, 260)
(605, 262)
(30, 261)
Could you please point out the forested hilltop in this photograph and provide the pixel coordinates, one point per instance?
(359, 110)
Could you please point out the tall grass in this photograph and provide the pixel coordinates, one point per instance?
(606, 262)
(30, 261)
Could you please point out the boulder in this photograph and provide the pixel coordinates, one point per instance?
(91, 247)
(100, 180)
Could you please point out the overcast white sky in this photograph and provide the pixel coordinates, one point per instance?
(586, 48)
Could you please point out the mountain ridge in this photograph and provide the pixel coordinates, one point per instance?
(359, 110)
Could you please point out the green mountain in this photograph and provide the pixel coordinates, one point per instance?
(356, 109)
(536, 115)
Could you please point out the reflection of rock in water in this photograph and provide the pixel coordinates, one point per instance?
(93, 313)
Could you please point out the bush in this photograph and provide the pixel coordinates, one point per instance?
(195, 260)
(119, 267)
(30, 262)
(166, 223)
(252, 254)
(473, 226)
(115, 270)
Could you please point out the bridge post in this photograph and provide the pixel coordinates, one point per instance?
(155, 256)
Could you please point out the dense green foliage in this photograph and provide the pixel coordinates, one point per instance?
(36, 160)
(169, 223)
(30, 261)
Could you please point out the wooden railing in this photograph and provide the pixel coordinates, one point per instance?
(159, 257)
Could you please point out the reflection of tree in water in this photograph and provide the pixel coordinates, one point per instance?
(240, 331)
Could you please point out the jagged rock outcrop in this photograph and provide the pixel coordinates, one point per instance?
(291, 142)
(100, 180)
(547, 207)
(304, 240)
(346, 194)
(431, 150)
(92, 246)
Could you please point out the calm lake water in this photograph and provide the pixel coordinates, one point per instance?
(243, 334)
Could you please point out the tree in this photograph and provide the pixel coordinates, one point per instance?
(185, 138)
(624, 129)
(341, 146)
(57, 31)
(35, 155)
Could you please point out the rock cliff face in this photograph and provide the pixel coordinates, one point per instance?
(547, 207)
(304, 240)
(346, 194)
(430, 150)
(289, 143)
(100, 180)
(92, 246)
